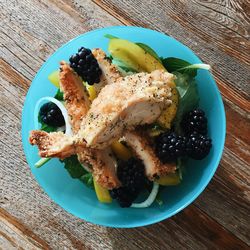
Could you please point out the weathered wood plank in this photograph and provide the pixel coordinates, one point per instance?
(205, 229)
(18, 236)
(27, 40)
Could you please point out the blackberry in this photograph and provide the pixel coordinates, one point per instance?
(198, 146)
(170, 146)
(133, 179)
(124, 196)
(51, 115)
(86, 66)
(195, 121)
(131, 174)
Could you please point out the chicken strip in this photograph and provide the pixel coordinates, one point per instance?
(110, 73)
(59, 145)
(75, 95)
(77, 103)
(133, 100)
(105, 164)
(55, 144)
(144, 151)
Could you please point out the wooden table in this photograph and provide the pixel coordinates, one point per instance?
(218, 31)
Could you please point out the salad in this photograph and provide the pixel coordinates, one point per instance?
(123, 123)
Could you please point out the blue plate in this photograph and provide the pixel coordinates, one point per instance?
(73, 195)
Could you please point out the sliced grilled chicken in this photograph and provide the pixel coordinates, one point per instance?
(144, 151)
(55, 144)
(104, 170)
(110, 73)
(59, 145)
(75, 95)
(133, 100)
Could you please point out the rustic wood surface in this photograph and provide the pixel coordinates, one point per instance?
(218, 31)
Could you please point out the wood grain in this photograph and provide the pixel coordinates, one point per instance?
(17, 235)
(218, 31)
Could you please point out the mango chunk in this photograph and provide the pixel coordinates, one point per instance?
(102, 193)
(54, 78)
(169, 180)
(133, 56)
(121, 151)
(92, 92)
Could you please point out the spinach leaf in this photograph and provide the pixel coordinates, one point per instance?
(110, 57)
(76, 171)
(73, 166)
(88, 180)
(47, 128)
(173, 64)
(59, 95)
(111, 36)
(189, 98)
(149, 50)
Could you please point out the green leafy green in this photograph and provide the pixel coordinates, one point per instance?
(47, 128)
(189, 98)
(73, 166)
(59, 95)
(110, 57)
(149, 50)
(76, 171)
(41, 162)
(173, 64)
(88, 180)
(110, 36)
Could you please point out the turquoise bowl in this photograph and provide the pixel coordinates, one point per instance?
(81, 201)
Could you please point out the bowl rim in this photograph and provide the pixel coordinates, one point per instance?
(163, 216)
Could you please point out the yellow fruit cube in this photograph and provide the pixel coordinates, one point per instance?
(102, 193)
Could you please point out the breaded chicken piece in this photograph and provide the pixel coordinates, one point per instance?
(75, 95)
(55, 144)
(59, 145)
(110, 73)
(133, 100)
(144, 151)
(104, 170)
